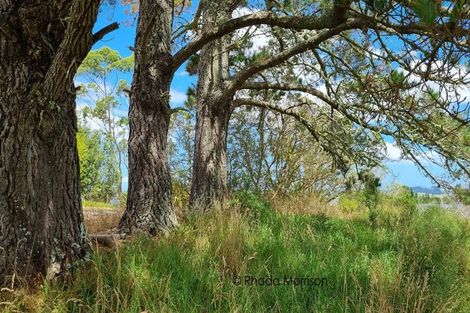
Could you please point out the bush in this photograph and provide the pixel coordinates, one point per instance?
(350, 202)
(398, 206)
(123, 200)
(463, 195)
(97, 205)
(254, 205)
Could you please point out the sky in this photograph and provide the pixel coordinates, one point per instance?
(398, 170)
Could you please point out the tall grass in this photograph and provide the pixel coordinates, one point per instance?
(408, 261)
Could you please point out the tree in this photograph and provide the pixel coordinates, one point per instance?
(98, 170)
(311, 28)
(149, 208)
(41, 223)
(181, 149)
(102, 93)
(270, 152)
(209, 179)
(362, 86)
(216, 90)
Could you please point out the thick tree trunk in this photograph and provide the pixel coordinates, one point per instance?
(149, 207)
(41, 222)
(209, 180)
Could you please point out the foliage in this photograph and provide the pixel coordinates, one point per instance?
(270, 152)
(430, 249)
(253, 205)
(181, 145)
(426, 10)
(101, 62)
(370, 194)
(369, 83)
(180, 195)
(463, 195)
(98, 166)
(103, 96)
(350, 203)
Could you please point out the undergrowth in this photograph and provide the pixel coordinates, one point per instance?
(317, 260)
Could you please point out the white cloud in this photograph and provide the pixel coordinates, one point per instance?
(392, 153)
(450, 91)
(177, 97)
(259, 36)
(238, 12)
(182, 74)
(259, 39)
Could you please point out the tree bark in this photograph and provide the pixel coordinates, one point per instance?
(209, 179)
(41, 221)
(149, 206)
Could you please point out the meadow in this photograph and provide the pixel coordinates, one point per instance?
(295, 254)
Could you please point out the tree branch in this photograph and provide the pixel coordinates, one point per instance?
(179, 109)
(318, 94)
(104, 31)
(330, 19)
(76, 43)
(298, 117)
(238, 80)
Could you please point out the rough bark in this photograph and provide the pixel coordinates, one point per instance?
(149, 207)
(209, 179)
(41, 222)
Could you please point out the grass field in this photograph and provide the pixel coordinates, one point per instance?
(286, 255)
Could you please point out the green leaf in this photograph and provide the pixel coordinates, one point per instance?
(426, 10)
(397, 78)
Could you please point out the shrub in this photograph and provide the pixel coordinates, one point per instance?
(350, 203)
(254, 205)
(463, 195)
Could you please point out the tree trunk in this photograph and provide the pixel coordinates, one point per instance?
(119, 183)
(149, 206)
(41, 221)
(209, 180)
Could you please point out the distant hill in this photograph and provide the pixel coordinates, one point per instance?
(427, 190)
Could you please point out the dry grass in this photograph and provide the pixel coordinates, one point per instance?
(311, 204)
(101, 221)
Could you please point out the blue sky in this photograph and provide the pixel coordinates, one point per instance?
(398, 170)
